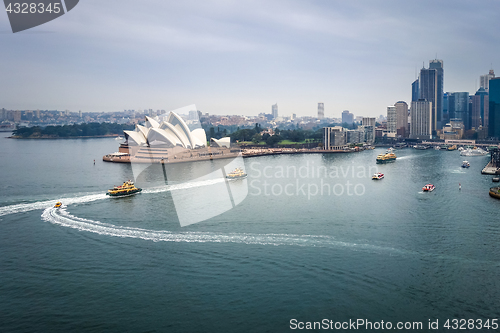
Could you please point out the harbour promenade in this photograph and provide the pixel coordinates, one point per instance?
(124, 157)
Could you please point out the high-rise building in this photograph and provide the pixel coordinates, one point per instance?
(321, 110)
(415, 91)
(485, 79)
(347, 117)
(438, 66)
(401, 118)
(494, 108)
(421, 119)
(369, 125)
(458, 107)
(275, 111)
(428, 91)
(391, 120)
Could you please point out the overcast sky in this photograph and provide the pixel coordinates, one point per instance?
(240, 57)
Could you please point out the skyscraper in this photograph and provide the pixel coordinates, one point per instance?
(391, 120)
(485, 79)
(479, 108)
(458, 107)
(401, 118)
(421, 119)
(415, 91)
(428, 91)
(494, 109)
(321, 111)
(369, 126)
(275, 111)
(438, 66)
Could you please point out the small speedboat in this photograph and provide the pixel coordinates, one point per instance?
(428, 188)
(378, 176)
(495, 179)
(58, 204)
(465, 164)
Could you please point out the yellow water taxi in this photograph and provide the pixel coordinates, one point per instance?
(58, 204)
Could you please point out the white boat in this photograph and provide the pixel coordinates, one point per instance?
(465, 164)
(473, 152)
(378, 176)
(437, 148)
(119, 138)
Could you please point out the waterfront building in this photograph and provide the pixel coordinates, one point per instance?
(369, 126)
(485, 79)
(321, 110)
(170, 133)
(421, 119)
(391, 121)
(275, 111)
(355, 136)
(334, 137)
(494, 108)
(347, 117)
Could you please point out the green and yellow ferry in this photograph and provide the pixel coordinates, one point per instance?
(389, 156)
(495, 192)
(128, 188)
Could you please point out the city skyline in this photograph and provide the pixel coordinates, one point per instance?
(241, 58)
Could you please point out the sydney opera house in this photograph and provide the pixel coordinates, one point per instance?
(169, 141)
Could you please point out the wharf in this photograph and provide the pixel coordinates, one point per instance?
(489, 169)
(122, 157)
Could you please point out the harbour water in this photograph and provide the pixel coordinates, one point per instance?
(315, 238)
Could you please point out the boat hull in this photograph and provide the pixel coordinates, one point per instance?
(386, 160)
(124, 193)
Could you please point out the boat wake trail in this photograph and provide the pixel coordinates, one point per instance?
(21, 208)
(62, 217)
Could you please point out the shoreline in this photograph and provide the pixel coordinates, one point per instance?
(65, 137)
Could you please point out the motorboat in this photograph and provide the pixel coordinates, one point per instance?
(428, 188)
(128, 188)
(465, 164)
(378, 176)
(237, 173)
(58, 204)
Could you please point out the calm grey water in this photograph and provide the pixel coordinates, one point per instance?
(305, 244)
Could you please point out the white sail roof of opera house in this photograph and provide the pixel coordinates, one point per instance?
(170, 133)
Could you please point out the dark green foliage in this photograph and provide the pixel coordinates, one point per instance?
(65, 131)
